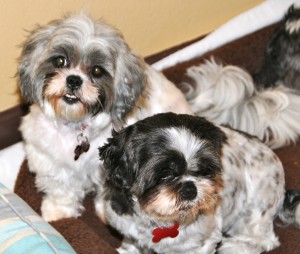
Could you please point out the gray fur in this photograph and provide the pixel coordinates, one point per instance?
(84, 42)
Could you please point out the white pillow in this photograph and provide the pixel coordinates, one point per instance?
(11, 159)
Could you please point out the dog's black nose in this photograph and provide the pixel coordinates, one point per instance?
(74, 82)
(188, 191)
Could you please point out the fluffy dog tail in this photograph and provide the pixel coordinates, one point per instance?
(228, 95)
(290, 213)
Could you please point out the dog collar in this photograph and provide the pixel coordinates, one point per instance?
(161, 233)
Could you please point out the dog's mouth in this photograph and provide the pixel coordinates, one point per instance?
(70, 98)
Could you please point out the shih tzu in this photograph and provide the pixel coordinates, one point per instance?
(266, 104)
(180, 184)
(82, 80)
(282, 60)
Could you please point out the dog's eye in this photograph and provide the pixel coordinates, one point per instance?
(97, 71)
(59, 62)
(169, 172)
(172, 170)
(166, 173)
(208, 167)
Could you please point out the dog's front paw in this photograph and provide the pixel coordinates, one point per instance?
(246, 244)
(52, 211)
(100, 210)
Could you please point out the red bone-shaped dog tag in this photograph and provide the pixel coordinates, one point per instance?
(160, 233)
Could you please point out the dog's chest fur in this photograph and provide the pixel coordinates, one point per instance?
(199, 237)
(50, 147)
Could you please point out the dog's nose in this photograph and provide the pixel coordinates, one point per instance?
(188, 191)
(74, 82)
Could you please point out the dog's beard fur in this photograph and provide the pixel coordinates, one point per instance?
(165, 203)
(87, 100)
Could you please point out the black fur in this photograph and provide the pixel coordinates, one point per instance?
(290, 204)
(292, 199)
(282, 52)
(139, 158)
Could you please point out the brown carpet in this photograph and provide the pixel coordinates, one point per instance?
(88, 235)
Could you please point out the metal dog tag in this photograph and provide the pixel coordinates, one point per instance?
(83, 146)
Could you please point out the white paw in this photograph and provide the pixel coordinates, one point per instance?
(99, 207)
(52, 211)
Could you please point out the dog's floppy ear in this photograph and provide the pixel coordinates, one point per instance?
(115, 159)
(32, 50)
(130, 81)
(118, 172)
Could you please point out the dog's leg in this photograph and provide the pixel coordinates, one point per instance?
(249, 226)
(61, 199)
(243, 244)
(253, 195)
(99, 205)
(54, 208)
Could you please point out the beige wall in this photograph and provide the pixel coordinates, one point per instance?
(149, 26)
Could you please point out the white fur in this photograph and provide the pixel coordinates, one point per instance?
(188, 145)
(250, 190)
(50, 152)
(292, 26)
(163, 95)
(199, 237)
(227, 95)
(297, 212)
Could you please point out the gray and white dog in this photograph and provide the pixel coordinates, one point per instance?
(82, 80)
(265, 104)
(180, 184)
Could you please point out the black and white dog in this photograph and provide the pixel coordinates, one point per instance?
(266, 104)
(180, 184)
